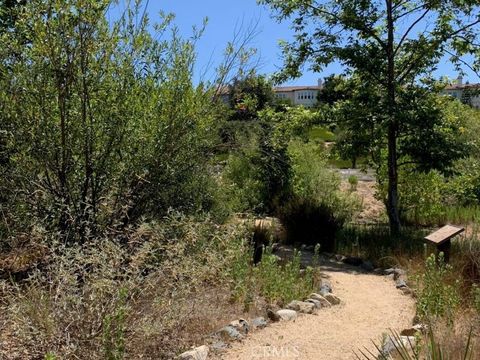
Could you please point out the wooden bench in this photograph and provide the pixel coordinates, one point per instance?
(442, 239)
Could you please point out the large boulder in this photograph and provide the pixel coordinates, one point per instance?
(301, 306)
(199, 353)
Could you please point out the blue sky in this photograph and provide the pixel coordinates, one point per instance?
(225, 15)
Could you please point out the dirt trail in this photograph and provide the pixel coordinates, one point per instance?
(371, 305)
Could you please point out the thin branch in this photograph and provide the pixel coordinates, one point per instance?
(405, 35)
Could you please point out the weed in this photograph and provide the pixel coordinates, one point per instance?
(436, 298)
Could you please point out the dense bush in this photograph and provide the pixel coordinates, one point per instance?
(317, 208)
(100, 122)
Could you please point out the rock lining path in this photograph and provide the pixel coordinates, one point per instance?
(371, 306)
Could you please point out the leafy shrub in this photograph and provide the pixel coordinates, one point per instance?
(476, 297)
(437, 298)
(317, 208)
(353, 181)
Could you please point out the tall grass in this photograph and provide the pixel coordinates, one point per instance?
(374, 242)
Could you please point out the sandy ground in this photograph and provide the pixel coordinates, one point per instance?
(371, 306)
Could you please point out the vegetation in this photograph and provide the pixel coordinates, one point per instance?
(382, 44)
(129, 192)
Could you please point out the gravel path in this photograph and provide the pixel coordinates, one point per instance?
(371, 306)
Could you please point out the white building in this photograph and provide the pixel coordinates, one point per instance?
(458, 89)
(299, 95)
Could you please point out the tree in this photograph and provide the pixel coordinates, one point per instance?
(103, 118)
(388, 43)
(250, 95)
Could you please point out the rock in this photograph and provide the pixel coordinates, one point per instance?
(407, 291)
(199, 353)
(332, 299)
(367, 266)
(401, 284)
(241, 325)
(325, 285)
(340, 258)
(273, 316)
(259, 323)
(219, 346)
(352, 260)
(397, 272)
(391, 344)
(317, 303)
(287, 314)
(301, 306)
(323, 302)
(419, 328)
(230, 333)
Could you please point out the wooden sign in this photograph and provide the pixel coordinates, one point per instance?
(444, 234)
(442, 239)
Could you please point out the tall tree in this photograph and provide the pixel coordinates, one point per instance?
(389, 43)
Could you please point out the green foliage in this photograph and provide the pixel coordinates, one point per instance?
(103, 122)
(257, 175)
(250, 95)
(353, 181)
(476, 297)
(317, 209)
(431, 347)
(378, 43)
(437, 298)
(279, 282)
(374, 242)
(114, 330)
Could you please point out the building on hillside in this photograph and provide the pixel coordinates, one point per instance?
(296, 95)
(299, 95)
(467, 93)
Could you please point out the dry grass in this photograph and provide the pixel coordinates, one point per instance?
(161, 292)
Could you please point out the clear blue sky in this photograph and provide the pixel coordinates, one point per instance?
(224, 15)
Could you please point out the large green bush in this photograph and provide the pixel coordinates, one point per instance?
(100, 121)
(317, 208)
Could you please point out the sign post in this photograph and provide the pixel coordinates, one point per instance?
(442, 239)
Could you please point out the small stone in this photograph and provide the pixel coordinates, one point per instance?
(392, 344)
(332, 299)
(241, 325)
(259, 323)
(230, 333)
(397, 272)
(199, 353)
(400, 284)
(340, 257)
(301, 306)
(414, 330)
(406, 290)
(323, 302)
(317, 303)
(287, 314)
(326, 285)
(273, 316)
(219, 346)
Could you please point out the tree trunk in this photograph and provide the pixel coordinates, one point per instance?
(392, 201)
